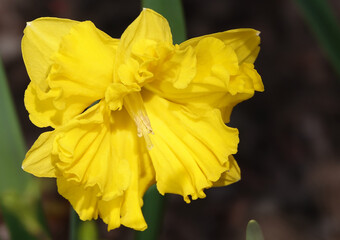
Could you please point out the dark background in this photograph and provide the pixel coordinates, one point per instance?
(289, 135)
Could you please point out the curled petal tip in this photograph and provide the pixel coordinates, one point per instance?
(258, 33)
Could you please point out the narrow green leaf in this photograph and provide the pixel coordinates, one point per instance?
(12, 147)
(325, 26)
(254, 231)
(19, 193)
(172, 10)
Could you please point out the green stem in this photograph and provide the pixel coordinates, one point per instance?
(325, 26)
(153, 213)
(82, 230)
(74, 225)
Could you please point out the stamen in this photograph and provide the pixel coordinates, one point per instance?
(134, 105)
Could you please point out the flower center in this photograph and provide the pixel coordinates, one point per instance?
(134, 105)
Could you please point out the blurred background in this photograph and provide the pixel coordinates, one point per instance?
(289, 149)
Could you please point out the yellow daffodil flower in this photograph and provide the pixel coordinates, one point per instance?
(131, 112)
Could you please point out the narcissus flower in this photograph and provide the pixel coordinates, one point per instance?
(131, 112)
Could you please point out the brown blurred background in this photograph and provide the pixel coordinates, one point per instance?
(289, 135)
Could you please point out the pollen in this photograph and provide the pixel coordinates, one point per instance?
(134, 105)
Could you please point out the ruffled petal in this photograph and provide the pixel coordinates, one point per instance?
(126, 209)
(83, 200)
(83, 66)
(40, 106)
(244, 41)
(116, 92)
(142, 43)
(87, 151)
(110, 212)
(41, 41)
(190, 151)
(38, 160)
(146, 54)
(220, 82)
(149, 25)
(101, 158)
(178, 68)
(79, 71)
(233, 174)
(122, 210)
(215, 63)
(241, 87)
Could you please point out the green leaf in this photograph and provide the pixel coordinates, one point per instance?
(12, 147)
(19, 192)
(172, 10)
(325, 26)
(254, 231)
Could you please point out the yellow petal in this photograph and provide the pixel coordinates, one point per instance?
(116, 92)
(87, 154)
(79, 72)
(233, 174)
(110, 212)
(83, 200)
(96, 149)
(122, 210)
(40, 106)
(107, 167)
(179, 68)
(245, 42)
(220, 82)
(143, 176)
(215, 64)
(84, 62)
(141, 38)
(126, 210)
(40, 42)
(146, 54)
(38, 160)
(190, 151)
(246, 81)
(148, 25)
(241, 87)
